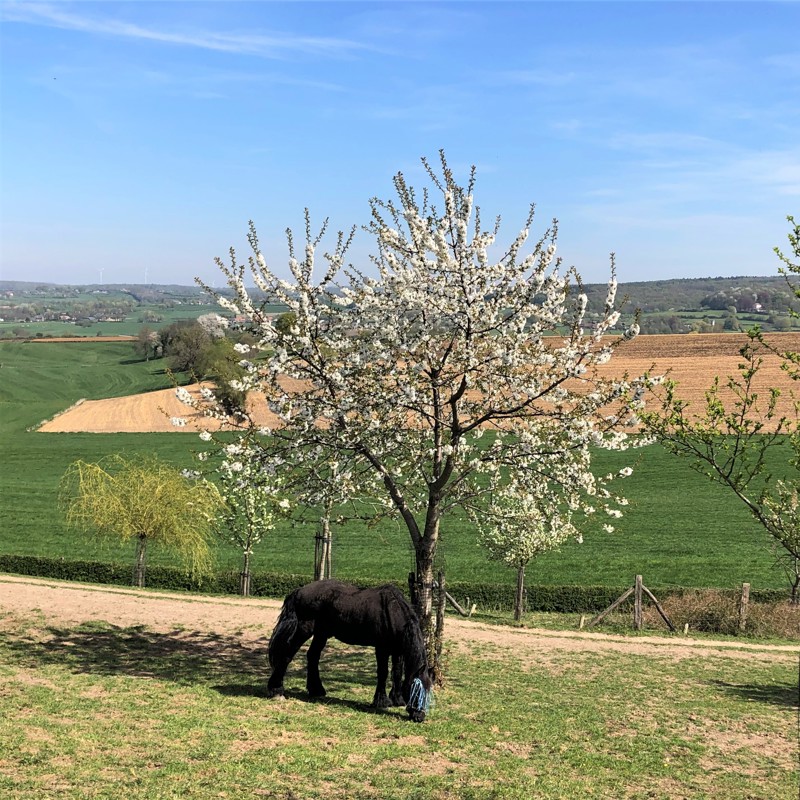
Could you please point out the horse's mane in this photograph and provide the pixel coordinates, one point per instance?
(415, 655)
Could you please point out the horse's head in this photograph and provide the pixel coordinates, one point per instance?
(420, 696)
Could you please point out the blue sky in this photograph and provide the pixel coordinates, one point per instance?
(139, 138)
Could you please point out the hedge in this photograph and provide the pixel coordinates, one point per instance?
(487, 596)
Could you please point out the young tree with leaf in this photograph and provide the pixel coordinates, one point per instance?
(144, 500)
(729, 439)
(791, 267)
(396, 373)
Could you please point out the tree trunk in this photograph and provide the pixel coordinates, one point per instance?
(519, 599)
(322, 549)
(244, 578)
(440, 609)
(138, 572)
(423, 598)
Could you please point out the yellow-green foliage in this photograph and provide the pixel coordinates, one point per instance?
(143, 498)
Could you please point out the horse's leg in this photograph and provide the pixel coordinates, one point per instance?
(313, 681)
(396, 696)
(381, 700)
(281, 653)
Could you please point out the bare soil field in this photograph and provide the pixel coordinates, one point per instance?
(691, 360)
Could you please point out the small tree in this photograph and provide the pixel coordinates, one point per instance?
(187, 346)
(214, 325)
(517, 528)
(146, 500)
(147, 343)
(251, 503)
(728, 440)
(791, 267)
(220, 362)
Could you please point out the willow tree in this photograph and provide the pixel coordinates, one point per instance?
(145, 501)
(424, 381)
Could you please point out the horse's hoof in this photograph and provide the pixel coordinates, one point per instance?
(317, 694)
(416, 716)
(278, 692)
(381, 702)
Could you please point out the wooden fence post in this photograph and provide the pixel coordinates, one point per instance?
(743, 603)
(638, 590)
(637, 604)
(440, 618)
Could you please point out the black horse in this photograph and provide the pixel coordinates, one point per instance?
(379, 618)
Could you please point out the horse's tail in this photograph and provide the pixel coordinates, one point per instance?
(286, 627)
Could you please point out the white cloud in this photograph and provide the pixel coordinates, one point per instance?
(272, 45)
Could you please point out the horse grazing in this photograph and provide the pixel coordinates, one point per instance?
(379, 618)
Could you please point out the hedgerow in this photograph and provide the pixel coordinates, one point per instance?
(487, 596)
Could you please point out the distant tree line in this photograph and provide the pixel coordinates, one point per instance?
(204, 348)
(102, 308)
(745, 299)
(687, 294)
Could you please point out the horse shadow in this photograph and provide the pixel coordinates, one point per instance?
(785, 694)
(300, 695)
(186, 657)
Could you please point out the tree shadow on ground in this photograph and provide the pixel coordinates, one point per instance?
(186, 657)
(784, 694)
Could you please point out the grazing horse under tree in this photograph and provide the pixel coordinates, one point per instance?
(379, 618)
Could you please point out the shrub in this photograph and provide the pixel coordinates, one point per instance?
(717, 611)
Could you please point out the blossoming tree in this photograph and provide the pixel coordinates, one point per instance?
(426, 381)
(515, 526)
(252, 502)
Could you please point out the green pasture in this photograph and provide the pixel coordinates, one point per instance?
(129, 327)
(101, 711)
(679, 530)
(132, 324)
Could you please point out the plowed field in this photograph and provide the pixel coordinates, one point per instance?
(691, 360)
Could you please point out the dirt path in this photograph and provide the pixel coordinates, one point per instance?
(62, 603)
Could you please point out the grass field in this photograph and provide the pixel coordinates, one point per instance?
(678, 529)
(131, 325)
(103, 709)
